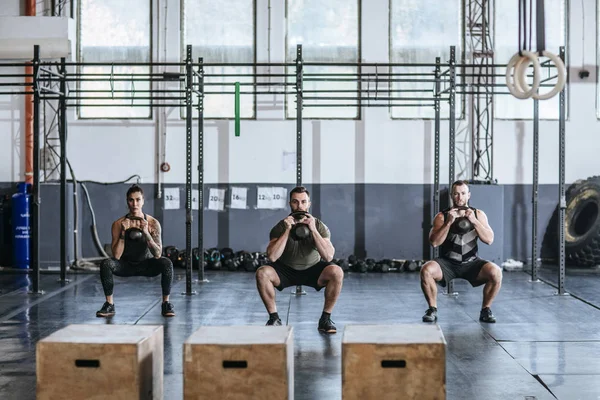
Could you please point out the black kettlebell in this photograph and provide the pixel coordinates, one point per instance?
(299, 231)
(461, 225)
(135, 234)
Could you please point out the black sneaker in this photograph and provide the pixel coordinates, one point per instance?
(274, 322)
(167, 309)
(326, 325)
(107, 310)
(430, 315)
(486, 316)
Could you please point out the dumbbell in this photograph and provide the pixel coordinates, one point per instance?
(383, 266)
(370, 264)
(212, 257)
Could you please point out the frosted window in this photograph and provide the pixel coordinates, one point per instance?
(420, 31)
(328, 32)
(222, 32)
(110, 32)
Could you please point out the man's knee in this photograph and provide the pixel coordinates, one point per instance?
(265, 273)
(431, 270)
(493, 272)
(333, 272)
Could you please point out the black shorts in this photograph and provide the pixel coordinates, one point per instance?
(468, 270)
(289, 276)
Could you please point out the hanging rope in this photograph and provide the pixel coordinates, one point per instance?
(516, 70)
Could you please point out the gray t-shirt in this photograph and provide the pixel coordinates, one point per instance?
(300, 254)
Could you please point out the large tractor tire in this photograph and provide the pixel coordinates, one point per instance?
(582, 223)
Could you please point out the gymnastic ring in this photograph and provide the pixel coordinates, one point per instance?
(560, 66)
(515, 89)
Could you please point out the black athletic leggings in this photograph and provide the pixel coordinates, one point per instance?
(149, 267)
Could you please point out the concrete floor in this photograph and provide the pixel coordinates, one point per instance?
(543, 346)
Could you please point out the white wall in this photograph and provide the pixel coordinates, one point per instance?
(376, 149)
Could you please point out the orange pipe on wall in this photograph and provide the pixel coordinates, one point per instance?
(30, 11)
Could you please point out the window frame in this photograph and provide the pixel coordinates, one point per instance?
(460, 99)
(182, 52)
(150, 66)
(359, 106)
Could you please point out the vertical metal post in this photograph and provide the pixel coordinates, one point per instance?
(34, 242)
(436, 156)
(299, 105)
(561, 186)
(188, 171)
(200, 95)
(62, 132)
(452, 136)
(534, 192)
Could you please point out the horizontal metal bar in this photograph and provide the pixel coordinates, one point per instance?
(80, 74)
(126, 105)
(368, 80)
(126, 91)
(124, 64)
(252, 93)
(16, 84)
(368, 98)
(123, 98)
(367, 105)
(15, 93)
(252, 75)
(69, 79)
(16, 76)
(249, 83)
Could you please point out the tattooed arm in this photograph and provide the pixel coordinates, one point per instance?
(153, 237)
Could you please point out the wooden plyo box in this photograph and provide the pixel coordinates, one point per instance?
(101, 362)
(239, 362)
(393, 362)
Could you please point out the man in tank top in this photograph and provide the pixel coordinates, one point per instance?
(456, 231)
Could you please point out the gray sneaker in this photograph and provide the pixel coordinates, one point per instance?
(430, 315)
(486, 316)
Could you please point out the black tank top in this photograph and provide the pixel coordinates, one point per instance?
(460, 248)
(135, 250)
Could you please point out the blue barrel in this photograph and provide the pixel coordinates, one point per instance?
(21, 227)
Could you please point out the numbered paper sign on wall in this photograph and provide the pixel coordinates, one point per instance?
(271, 197)
(216, 199)
(171, 199)
(239, 197)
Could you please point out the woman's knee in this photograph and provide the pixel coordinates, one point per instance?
(166, 263)
(108, 265)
